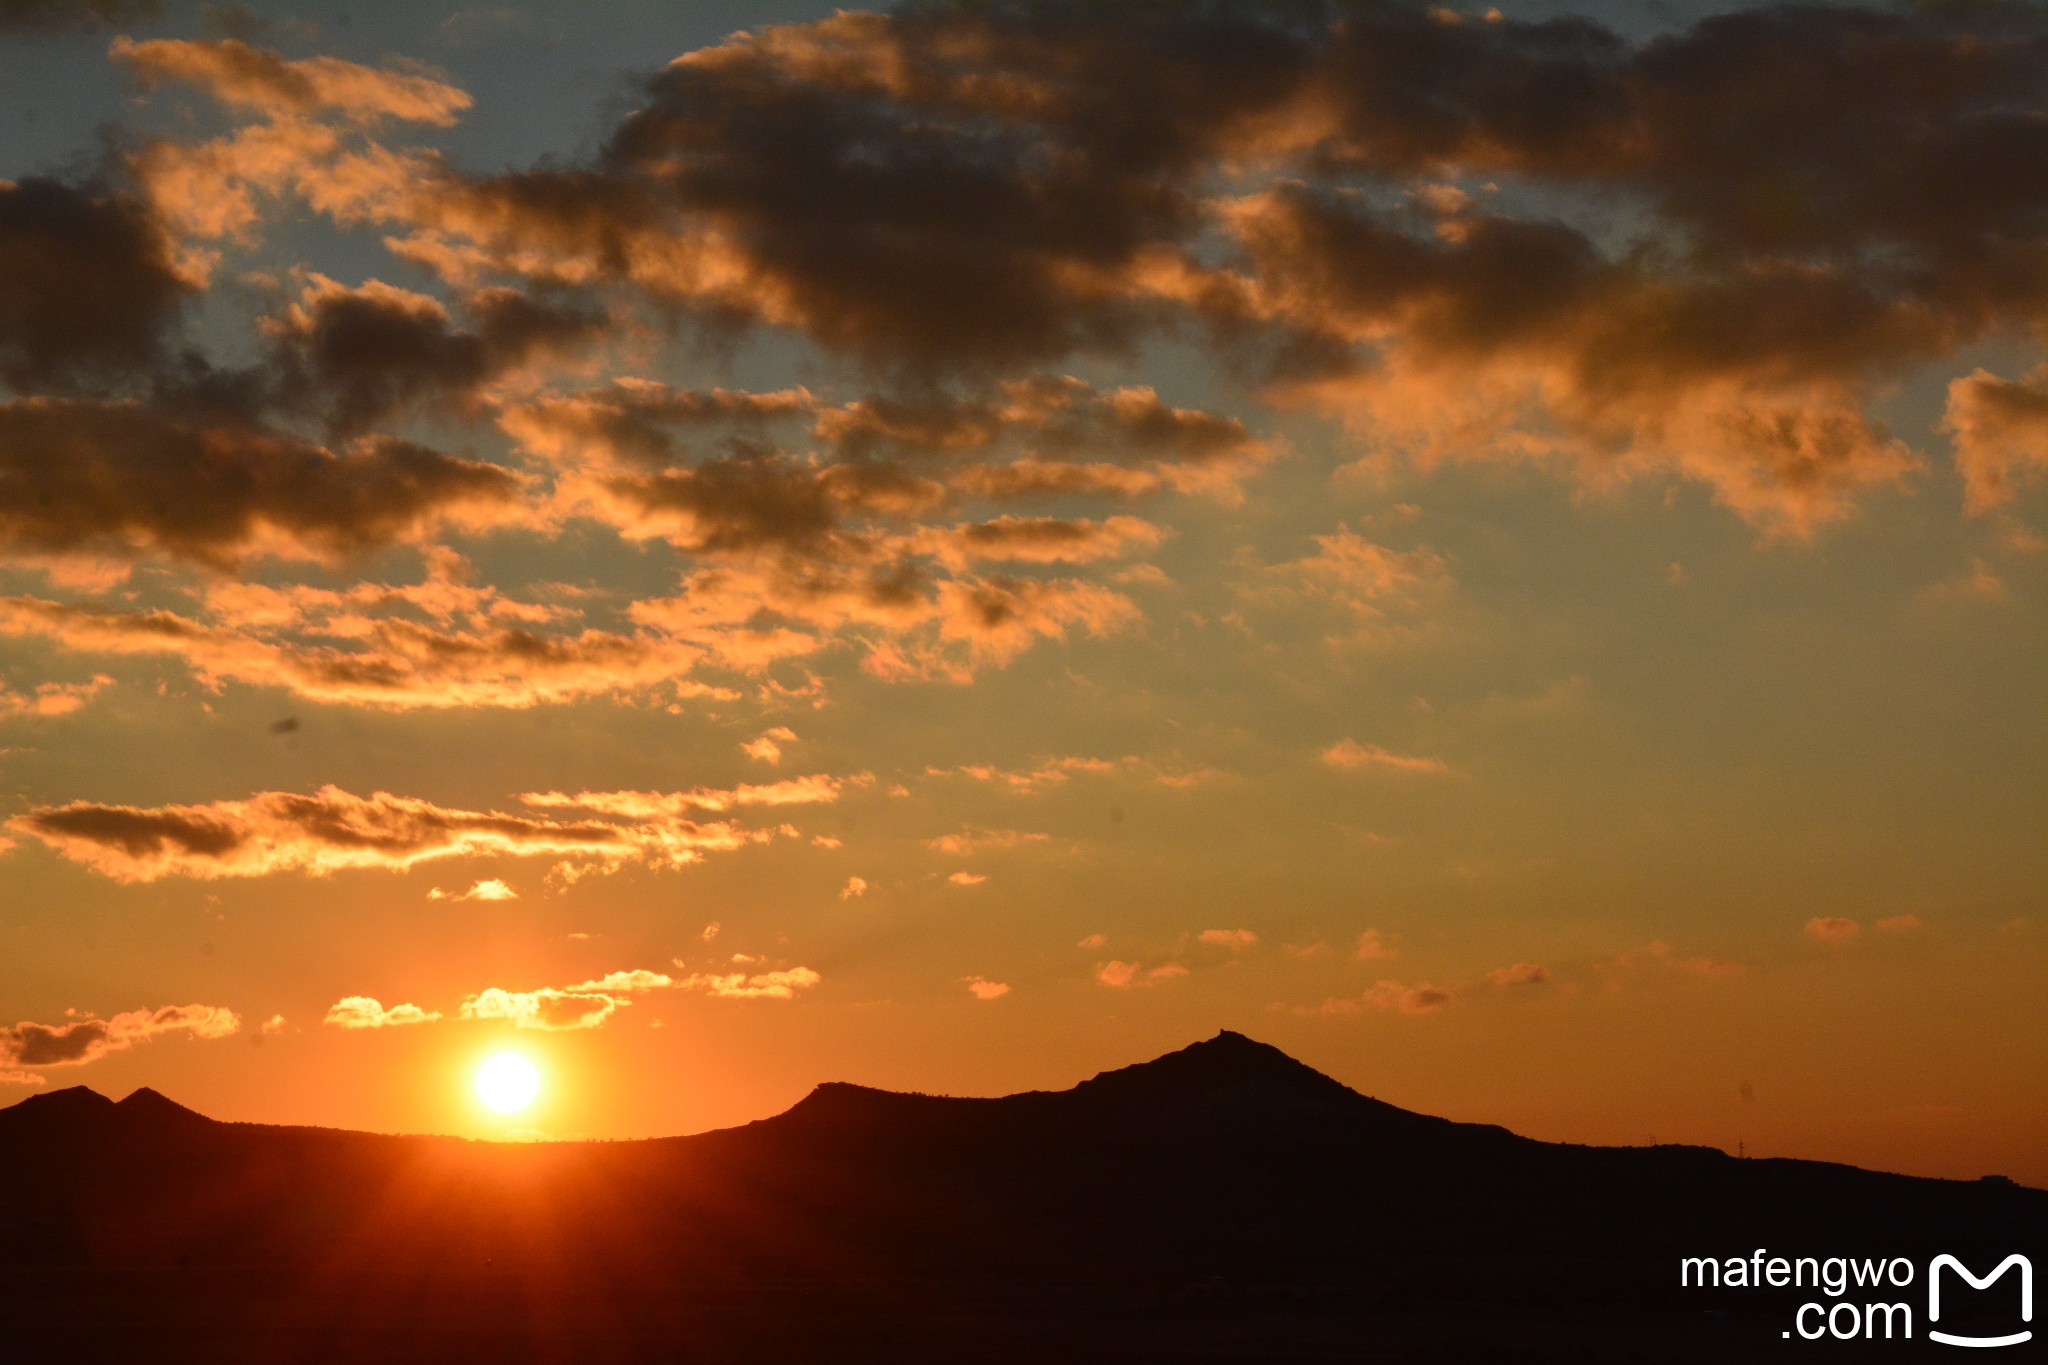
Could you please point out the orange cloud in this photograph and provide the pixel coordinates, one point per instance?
(1379, 593)
(491, 889)
(1417, 999)
(1520, 974)
(775, 985)
(1052, 772)
(333, 830)
(87, 1040)
(388, 663)
(256, 78)
(972, 841)
(364, 1012)
(1662, 955)
(547, 1008)
(1372, 946)
(1348, 753)
(1236, 940)
(124, 476)
(1832, 928)
(767, 746)
(2000, 430)
(817, 788)
(1123, 975)
(985, 990)
(51, 698)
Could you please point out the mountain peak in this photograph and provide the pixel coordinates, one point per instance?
(1228, 1071)
(149, 1105)
(68, 1109)
(72, 1099)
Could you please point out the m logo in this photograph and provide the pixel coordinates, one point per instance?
(2026, 1298)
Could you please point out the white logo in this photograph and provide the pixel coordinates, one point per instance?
(2026, 1298)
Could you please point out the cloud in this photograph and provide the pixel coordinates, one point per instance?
(1348, 753)
(638, 979)
(1832, 928)
(1120, 975)
(1520, 974)
(1377, 593)
(10, 1077)
(51, 698)
(767, 746)
(776, 985)
(986, 990)
(255, 78)
(387, 662)
(87, 1040)
(491, 890)
(88, 284)
(1696, 268)
(1388, 995)
(795, 791)
(1236, 940)
(547, 1008)
(855, 887)
(1092, 941)
(214, 489)
(56, 16)
(586, 1005)
(969, 842)
(1417, 999)
(967, 879)
(363, 1012)
(1047, 773)
(1660, 955)
(367, 354)
(1373, 946)
(1514, 340)
(333, 830)
(2000, 430)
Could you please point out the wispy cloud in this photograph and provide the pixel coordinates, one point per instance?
(332, 830)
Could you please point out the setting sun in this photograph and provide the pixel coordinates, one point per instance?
(507, 1082)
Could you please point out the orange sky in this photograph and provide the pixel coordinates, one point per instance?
(731, 549)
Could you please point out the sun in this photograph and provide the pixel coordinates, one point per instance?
(507, 1082)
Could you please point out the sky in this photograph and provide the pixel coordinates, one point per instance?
(730, 546)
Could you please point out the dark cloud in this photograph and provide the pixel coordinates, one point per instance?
(87, 1039)
(737, 503)
(82, 474)
(87, 284)
(1707, 251)
(332, 830)
(366, 354)
(56, 16)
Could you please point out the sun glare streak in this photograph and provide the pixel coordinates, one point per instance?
(507, 1082)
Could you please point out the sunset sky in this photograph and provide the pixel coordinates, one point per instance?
(726, 546)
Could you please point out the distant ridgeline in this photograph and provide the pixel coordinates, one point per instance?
(1222, 1202)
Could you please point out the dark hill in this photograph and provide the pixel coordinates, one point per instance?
(1223, 1202)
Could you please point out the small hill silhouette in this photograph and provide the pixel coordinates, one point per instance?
(1222, 1202)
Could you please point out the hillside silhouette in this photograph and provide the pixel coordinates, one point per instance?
(1223, 1202)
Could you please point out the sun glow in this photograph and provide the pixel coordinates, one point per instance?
(507, 1082)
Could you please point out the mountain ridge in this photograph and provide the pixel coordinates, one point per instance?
(1170, 1210)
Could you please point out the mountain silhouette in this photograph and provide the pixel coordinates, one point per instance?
(1223, 1202)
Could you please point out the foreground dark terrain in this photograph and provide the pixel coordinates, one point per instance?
(1220, 1203)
